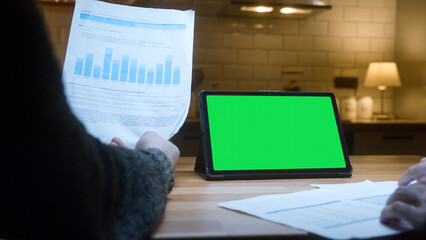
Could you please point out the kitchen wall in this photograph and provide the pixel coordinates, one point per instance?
(253, 54)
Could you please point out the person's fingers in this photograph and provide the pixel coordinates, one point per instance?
(422, 180)
(117, 142)
(405, 207)
(404, 194)
(152, 140)
(413, 173)
(398, 211)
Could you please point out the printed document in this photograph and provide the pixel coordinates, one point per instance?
(128, 69)
(338, 211)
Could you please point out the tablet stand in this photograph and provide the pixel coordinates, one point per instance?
(200, 166)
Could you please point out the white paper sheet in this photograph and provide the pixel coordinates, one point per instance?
(337, 185)
(128, 69)
(338, 211)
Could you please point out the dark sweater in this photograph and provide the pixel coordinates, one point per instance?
(57, 181)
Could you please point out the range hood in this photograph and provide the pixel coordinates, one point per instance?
(273, 8)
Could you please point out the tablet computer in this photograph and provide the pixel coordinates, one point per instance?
(270, 134)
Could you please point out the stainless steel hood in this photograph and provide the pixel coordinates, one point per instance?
(273, 8)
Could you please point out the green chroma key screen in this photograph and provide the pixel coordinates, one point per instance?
(273, 132)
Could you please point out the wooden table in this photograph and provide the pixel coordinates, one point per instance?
(192, 210)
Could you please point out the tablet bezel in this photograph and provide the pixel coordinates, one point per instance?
(205, 159)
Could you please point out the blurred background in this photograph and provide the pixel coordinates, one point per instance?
(304, 45)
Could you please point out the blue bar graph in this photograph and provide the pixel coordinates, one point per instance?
(107, 63)
(176, 75)
(97, 71)
(141, 73)
(168, 70)
(115, 68)
(133, 69)
(124, 68)
(150, 76)
(159, 74)
(127, 69)
(79, 66)
(88, 65)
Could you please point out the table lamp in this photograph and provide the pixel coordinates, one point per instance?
(382, 75)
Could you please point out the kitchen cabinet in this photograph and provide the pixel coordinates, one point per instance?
(385, 137)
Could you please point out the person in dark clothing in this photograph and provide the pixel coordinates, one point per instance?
(56, 180)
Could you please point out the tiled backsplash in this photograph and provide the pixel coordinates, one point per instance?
(254, 54)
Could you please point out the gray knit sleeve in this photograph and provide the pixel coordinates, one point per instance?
(145, 178)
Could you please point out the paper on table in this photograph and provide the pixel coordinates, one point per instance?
(344, 185)
(341, 211)
(128, 69)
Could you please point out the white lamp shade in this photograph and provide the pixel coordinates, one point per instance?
(382, 74)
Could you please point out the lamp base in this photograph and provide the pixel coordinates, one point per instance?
(383, 116)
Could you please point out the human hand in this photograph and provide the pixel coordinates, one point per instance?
(406, 208)
(415, 172)
(117, 142)
(152, 140)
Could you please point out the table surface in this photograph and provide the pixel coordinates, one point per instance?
(192, 210)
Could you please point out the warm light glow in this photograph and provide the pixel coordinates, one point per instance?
(287, 10)
(290, 10)
(259, 9)
(382, 75)
(258, 26)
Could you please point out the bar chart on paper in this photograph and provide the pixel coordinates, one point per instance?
(125, 68)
